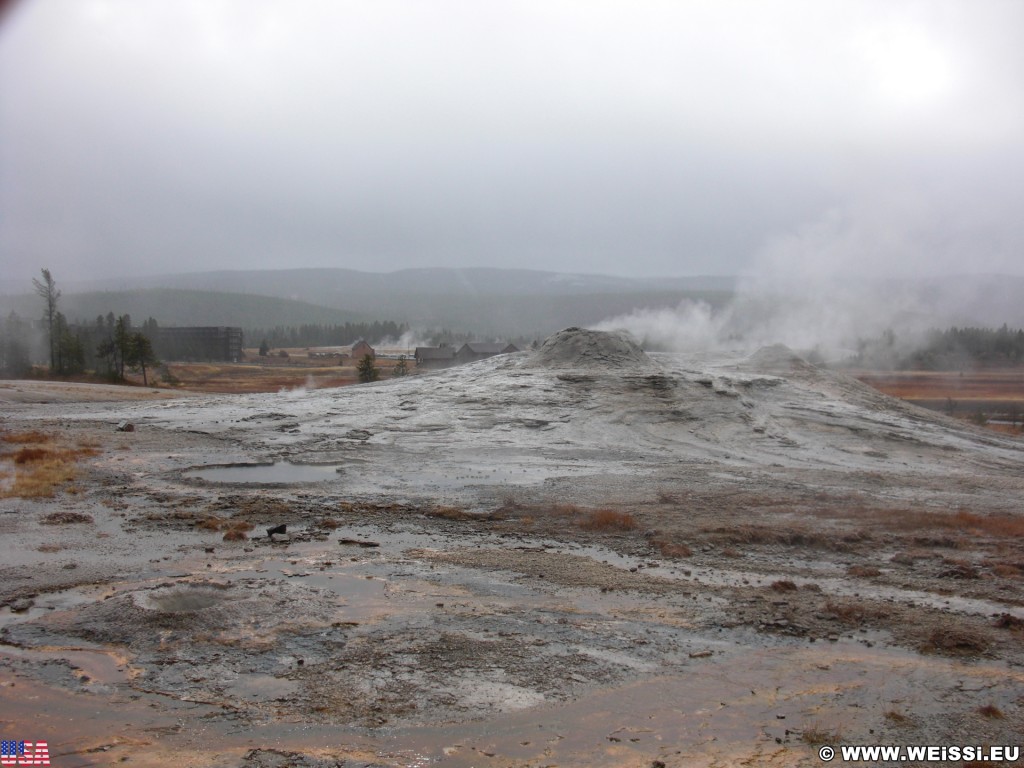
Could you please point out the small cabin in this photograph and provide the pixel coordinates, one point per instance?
(361, 349)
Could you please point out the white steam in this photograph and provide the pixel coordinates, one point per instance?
(856, 273)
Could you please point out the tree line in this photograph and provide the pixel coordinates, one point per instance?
(954, 348)
(110, 345)
(319, 335)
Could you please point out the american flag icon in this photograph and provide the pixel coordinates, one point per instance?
(24, 753)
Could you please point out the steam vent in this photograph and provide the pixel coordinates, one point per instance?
(580, 348)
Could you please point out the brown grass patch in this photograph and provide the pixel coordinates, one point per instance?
(795, 536)
(962, 521)
(25, 438)
(994, 525)
(991, 710)
(607, 520)
(448, 513)
(42, 481)
(954, 641)
(49, 548)
(897, 717)
(66, 518)
(41, 465)
(565, 510)
(28, 455)
(235, 534)
(215, 523)
(671, 549)
(1007, 571)
(329, 522)
(1008, 621)
(817, 735)
(854, 612)
(784, 585)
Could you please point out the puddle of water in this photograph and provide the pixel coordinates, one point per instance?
(279, 473)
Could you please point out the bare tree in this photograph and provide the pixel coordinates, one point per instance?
(46, 289)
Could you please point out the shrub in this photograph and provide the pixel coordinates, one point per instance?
(608, 520)
(671, 548)
(954, 641)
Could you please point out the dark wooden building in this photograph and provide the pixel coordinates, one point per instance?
(473, 351)
(361, 349)
(198, 343)
(435, 357)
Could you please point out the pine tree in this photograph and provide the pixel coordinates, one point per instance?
(366, 370)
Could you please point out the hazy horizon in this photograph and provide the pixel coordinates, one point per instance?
(150, 137)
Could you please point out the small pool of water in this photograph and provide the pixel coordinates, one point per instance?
(279, 473)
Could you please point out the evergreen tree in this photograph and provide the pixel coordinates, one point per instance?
(367, 370)
(140, 354)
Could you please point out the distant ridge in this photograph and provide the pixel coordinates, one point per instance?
(334, 287)
(173, 306)
(483, 301)
(497, 303)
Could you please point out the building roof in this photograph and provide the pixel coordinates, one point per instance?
(484, 348)
(435, 353)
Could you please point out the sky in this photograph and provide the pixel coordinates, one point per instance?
(647, 137)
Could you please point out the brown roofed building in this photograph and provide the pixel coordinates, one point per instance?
(435, 357)
(361, 349)
(473, 351)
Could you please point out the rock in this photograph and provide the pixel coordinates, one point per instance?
(125, 426)
(280, 538)
(21, 605)
(358, 543)
(282, 528)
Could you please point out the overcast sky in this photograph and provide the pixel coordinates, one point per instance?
(642, 137)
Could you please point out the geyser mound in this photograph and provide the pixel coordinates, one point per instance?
(779, 359)
(581, 348)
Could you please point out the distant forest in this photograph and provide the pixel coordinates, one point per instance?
(342, 335)
(319, 335)
(951, 349)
